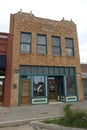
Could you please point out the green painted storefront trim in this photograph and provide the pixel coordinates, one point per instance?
(39, 100)
(71, 99)
(28, 76)
(49, 74)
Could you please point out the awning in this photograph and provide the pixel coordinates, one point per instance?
(2, 62)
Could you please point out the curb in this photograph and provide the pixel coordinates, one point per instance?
(13, 123)
(36, 124)
(40, 125)
(21, 122)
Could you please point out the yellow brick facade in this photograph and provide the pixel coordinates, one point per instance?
(24, 22)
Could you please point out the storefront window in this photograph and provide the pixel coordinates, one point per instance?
(70, 83)
(39, 86)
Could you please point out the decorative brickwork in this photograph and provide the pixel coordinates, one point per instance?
(24, 22)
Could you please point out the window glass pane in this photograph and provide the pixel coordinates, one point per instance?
(24, 70)
(69, 42)
(51, 70)
(39, 86)
(70, 83)
(41, 44)
(62, 70)
(57, 70)
(41, 49)
(25, 48)
(45, 70)
(28, 69)
(41, 39)
(34, 70)
(56, 50)
(40, 70)
(67, 70)
(25, 37)
(69, 52)
(55, 41)
(72, 71)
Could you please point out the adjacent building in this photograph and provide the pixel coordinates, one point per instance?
(84, 79)
(6, 44)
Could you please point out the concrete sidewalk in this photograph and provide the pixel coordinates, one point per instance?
(24, 114)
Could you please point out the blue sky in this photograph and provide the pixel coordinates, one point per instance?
(52, 9)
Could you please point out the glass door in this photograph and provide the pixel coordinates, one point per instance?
(52, 89)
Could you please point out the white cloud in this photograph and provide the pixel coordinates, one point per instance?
(52, 9)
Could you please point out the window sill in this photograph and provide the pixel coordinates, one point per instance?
(41, 54)
(24, 53)
(70, 56)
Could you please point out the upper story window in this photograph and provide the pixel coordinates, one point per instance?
(69, 47)
(56, 45)
(41, 44)
(25, 41)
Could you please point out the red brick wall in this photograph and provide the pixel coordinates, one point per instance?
(3, 43)
(6, 43)
(84, 68)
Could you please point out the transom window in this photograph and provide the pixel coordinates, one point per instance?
(69, 46)
(25, 40)
(41, 44)
(56, 45)
(46, 70)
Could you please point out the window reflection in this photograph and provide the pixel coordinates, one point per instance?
(1, 87)
(41, 44)
(71, 85)
(52, 88)
(39, 86)
(69, 47)
(25, 41)
(56, 45)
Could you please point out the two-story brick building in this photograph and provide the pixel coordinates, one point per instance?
(45, 63)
